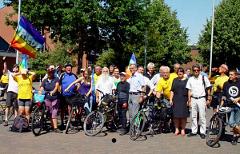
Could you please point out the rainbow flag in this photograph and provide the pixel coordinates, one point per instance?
(27, 39)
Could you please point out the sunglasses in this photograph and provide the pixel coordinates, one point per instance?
(196, 70)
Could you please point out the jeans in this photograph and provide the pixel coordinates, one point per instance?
(234, 119)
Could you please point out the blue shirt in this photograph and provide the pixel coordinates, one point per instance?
(65, 80)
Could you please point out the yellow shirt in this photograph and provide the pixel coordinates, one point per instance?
(4, 78)
(218, 84)
(96, 77)
(24, 87)
(165, 86)
(174, 75)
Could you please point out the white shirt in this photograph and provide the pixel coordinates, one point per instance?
(196, 85)
(136, 82)
(106, 86)
(148, 83)
(155, 79)
(12, 84)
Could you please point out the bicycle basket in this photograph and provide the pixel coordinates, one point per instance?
(77, 100)
(38, 97)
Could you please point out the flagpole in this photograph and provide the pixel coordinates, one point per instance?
(211, 49)
(19, 16)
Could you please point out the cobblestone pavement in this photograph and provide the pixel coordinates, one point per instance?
(14, 143)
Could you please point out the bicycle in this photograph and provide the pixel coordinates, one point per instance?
(155, 122)
(217, 125)
(77, 114)
(39, 115)
(106, 114)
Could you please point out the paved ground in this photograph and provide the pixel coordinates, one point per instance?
(14, 143)
(27, 143)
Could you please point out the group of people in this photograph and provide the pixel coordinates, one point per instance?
(181, 88)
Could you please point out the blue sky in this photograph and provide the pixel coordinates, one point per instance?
(193, 15)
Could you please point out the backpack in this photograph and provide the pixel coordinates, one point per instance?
(20, 124)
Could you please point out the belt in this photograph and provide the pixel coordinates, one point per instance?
(198, 97)
(134, 93)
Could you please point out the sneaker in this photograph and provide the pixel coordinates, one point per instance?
(191, 135)
(203, 136)
(5, 123)
(56, 130)
(234, 140)
(123, 133)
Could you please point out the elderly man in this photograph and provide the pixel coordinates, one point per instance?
(165, 83)
(197, 85)
(175, 68)
(137, 84)
(104, 84)
(218, 86)
(151, 70)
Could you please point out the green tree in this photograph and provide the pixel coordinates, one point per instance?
(115, 26)
(166, 40)
(226, 40)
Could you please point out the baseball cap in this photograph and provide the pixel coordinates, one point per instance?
(123, 73)
(68, 64)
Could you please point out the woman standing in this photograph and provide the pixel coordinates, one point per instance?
(50, 86)
(24, 79)
(179, 99)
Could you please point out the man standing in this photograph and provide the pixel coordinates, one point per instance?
(231, 91)
(65, 80)
(12, 92)
(164, 84)
(137, 84)
(218, 86)
(151, 70)
(105, 84)
(197, 85)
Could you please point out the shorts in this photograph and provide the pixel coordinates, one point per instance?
(216, 99)
(52, 106)
(11, 99)
(25, 102)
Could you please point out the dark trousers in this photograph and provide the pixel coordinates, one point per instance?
(122, 113)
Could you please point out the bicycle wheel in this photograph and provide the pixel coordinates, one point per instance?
(214, 131)
(2, 113)
(93, 123)
(137, 126)
(37, 120)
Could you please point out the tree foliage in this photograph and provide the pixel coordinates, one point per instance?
(118, 28)
(226, 40)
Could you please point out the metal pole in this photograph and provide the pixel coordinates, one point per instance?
(211, 49)
(19, 15)
(145, 53)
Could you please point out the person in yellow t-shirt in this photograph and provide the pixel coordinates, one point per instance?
(4, 83)
(24, 80)
(218, 86)
(164, 84)
(175, 67)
